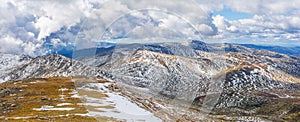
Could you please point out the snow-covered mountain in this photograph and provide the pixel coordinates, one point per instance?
(239, 71)
(9, 61)
(20, 67)
(186, 78)
(171, 75)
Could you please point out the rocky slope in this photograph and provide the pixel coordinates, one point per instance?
(10, 61)
(232, 71)
(170, 75)
(44, 66)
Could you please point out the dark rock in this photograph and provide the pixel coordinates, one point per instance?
(44, 98)
(113, 87)
(198, 100)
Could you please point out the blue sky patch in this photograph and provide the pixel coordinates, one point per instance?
(229, 14)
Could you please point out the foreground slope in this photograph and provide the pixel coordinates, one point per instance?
(65, 99)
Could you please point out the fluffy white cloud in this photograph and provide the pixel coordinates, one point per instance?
(31, 22)
(272, 20)
(267, 7)
(51, 16)
(10, 44)
(262, 27)
(144, 19)
(29, 26)
(151, 24)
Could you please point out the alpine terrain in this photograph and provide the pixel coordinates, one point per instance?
(171, 81)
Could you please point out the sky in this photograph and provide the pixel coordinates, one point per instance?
(39, 27)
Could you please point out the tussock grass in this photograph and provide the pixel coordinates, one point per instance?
(35, 93)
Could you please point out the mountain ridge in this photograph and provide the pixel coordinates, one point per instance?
(53, 65)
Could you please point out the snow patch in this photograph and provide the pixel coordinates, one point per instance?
(64, 104)
(123, 108)
(51, 108)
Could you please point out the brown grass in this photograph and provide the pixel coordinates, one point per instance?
(33, 90)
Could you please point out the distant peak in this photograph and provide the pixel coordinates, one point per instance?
(195, 40)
